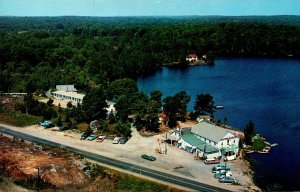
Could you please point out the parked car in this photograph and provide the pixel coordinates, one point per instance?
(148, 157)
(116, 140)
(220, 167)
(92, 137)
(227, 180)
(46, 124)
(211, 161)
(123, 140)
(49, 125)
(100, 138)
(222, 174)
(86, 134)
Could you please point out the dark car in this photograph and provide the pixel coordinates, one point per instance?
(123, 140)
(86, 134)
(148, 157)
(49, 125)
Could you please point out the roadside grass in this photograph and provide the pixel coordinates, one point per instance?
(136, 184)
(17, 118)
(126, 182)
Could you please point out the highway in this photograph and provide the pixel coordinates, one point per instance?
(180, 181)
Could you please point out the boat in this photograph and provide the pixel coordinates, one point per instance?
(265, 150)
(274, 144)
(249, 151)
(267, 143)
(219, 107)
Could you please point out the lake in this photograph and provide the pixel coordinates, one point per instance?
(264, 90)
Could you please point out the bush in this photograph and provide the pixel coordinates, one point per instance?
(96, 171)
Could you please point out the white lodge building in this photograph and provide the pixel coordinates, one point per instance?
(210, 141)
(68, 93)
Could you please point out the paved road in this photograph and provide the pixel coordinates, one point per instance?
(180, 181)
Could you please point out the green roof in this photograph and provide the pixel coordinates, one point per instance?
(198, 143)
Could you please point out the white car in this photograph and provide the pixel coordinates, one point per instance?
(116, 140)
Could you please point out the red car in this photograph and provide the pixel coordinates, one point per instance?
(100, 138)
(211, 161)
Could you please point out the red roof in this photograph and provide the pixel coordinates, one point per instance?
(192, 56)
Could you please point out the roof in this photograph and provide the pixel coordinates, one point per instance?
(70, 94)
(192, 56)
(193, 140)
(70, 88)
(211, 132)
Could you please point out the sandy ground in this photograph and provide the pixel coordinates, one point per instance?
(56, 102)
(176, 161)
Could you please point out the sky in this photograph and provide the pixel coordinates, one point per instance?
(148, 7)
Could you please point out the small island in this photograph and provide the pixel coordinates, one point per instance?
(255, 142)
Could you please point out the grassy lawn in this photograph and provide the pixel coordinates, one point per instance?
(18, 119)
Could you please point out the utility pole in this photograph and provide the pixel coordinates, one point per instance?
(166, 143)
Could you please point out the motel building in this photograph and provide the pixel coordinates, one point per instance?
(209, 141)
(68, 93)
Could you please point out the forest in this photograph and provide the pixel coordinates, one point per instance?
(102, 57)
(36, 53)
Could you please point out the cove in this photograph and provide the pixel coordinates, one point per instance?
(264, 90)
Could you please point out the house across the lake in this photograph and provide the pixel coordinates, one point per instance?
(68, 93)
(191, 58)
(207, 140)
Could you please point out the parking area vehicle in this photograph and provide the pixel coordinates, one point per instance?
(227, 180)
(222, 174)
(220, 167)
(116, 140)
(211, 161)
(92, 137)
(46, 124)
(123, 140)
(148, 157)
(100, 138)
(86, 134)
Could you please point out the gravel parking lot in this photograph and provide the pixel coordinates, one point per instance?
(176, 161)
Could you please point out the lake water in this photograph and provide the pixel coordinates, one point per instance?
(266, 91)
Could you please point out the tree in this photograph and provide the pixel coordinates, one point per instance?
(50, 102)
(59, 121)
(175, 107)
(69, 104)
(182, 99)
(127, 87)
(249, 132)
(59, 109)
(123, 128)
(47, 113)
(204, 104)
(94, 104)
(104, 125)
(156, 96)
(123, 107)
